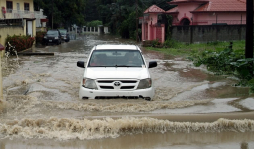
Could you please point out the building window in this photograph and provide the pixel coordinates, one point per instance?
(26, 6)
(9, 6)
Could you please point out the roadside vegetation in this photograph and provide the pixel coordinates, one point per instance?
(20, 42)
(39, 37)
(185, 50)
(94, 23)
(221, 58)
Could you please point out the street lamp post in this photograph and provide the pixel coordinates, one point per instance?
(249, 29)
(1, 79)
(137, 20)
(52, 13)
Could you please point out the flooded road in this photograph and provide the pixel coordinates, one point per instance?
(191, 108)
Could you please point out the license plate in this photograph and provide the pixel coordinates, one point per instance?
(50, 40)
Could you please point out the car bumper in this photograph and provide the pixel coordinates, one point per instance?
(51, 40)
(65, 38)
(85, 93)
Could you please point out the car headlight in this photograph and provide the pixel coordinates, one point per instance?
(56, 37)
(89, 83)
(45, 37)
(145, 83)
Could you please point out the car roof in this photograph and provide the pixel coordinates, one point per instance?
(116, 47)
(53, 30)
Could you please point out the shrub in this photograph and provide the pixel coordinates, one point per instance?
(39, 37)
(152, 43)
(21, 42)
(94, 23)
(229, 62)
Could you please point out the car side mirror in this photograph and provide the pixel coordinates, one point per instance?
(81, 64)
(152, 64)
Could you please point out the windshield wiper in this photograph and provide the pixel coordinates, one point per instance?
(124, 66)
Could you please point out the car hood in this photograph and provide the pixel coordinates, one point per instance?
(52, 36)
(116, 73)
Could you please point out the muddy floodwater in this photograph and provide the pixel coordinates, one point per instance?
(191, 108)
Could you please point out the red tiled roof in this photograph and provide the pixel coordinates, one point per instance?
(216, 5)
(187, 1)
(172, 10)
(224, 5)
(154, 9)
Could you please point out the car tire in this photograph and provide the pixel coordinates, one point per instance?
(148, 99)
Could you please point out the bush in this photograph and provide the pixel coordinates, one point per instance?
(171, 44)
(39, 37)
(94, 23)
(124, 30)
(229, 62)
(152, 43)
(20, 42)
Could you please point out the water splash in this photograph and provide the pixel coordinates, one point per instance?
(10, 50)
(25, 103)
(65, 129)
(124, 106)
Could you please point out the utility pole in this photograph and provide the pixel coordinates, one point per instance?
(52, 13)
(137, 20)
(249, 29)
(1, 79)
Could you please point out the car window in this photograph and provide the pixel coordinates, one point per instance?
(63, 31)
(116, 58)
(52, 33)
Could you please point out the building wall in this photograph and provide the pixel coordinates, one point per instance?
(150, 30)
(15, 30)
(2, 4)
(225, 17)
(184, 11)
(21, 4)
(207, 18)
(208, 33)
(14, 3)
(9, 30)
(152, 20)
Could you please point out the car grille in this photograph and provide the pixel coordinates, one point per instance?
(51, 38)
(117, 84)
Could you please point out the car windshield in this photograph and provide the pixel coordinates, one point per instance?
(63, 32)
(55, 33)
(116, 58)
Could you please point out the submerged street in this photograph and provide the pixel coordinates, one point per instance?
(191, 108)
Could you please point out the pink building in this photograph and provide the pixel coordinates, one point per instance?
(194, 12)
(208, 12)
(151, 29)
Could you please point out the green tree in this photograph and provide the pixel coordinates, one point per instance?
(63, 13)
(118, 15)
(94, 23)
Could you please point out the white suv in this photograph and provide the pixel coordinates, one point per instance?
(116, 71)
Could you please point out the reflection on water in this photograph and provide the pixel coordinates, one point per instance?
(228, 140)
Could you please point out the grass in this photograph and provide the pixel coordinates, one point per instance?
(182, 49)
